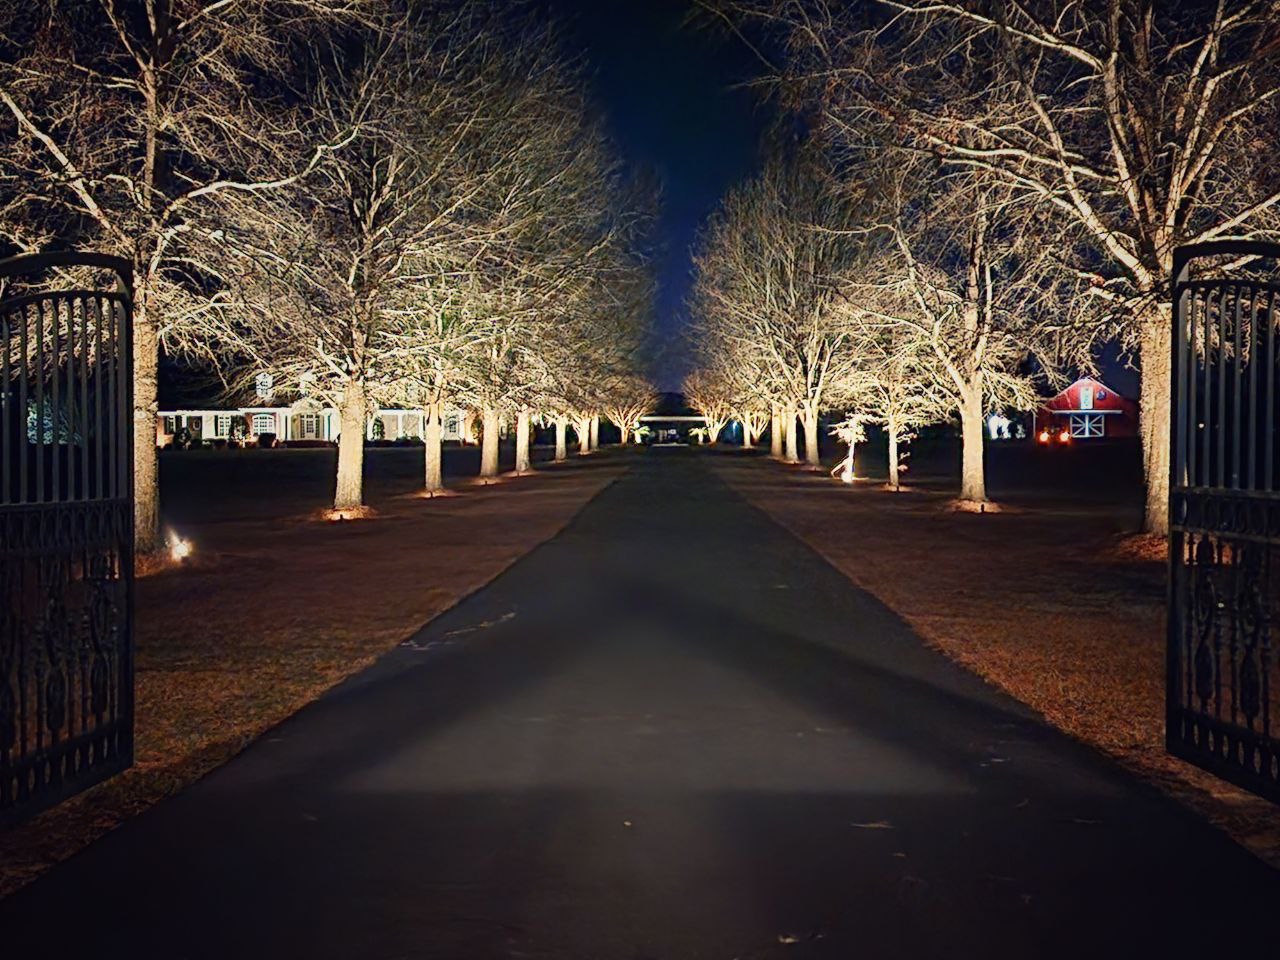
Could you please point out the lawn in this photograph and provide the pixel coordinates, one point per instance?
(1050, 600)
(273, 608)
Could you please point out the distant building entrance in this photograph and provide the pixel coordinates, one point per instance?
(672, 422)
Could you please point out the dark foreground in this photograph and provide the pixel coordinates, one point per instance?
(672, 732)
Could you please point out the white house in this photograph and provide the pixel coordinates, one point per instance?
(304, 420)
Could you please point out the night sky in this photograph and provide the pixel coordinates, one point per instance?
(666, 89)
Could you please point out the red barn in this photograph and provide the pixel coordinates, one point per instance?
(1087, 410)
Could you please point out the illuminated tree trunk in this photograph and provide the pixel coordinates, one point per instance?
(810, 417)
(973, 483)
(746, 435)
(583, 429)
(893, 454)
(846, 474)
(1154, 410)
(562, 439)
(433, 454)
(524, 463)
(469, 426)
(792, 438)
(595, 432)
(488, 442)
(775, 431)
(146, 465)
(351, 411)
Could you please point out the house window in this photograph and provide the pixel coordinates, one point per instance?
(264, 423)
(451, 424)
(222, 425)
(1086, 397)
(1087, 425)
(308, 426)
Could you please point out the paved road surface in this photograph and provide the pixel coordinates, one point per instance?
(672, 732)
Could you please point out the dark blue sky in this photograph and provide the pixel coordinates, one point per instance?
(667, 92)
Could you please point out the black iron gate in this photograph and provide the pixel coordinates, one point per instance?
(66, 527)
(1223, 708)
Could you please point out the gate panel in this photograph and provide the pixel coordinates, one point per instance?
(1223, 706)
(66, 528)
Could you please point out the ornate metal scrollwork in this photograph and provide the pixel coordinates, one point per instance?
(66, 702)
(1223, 680)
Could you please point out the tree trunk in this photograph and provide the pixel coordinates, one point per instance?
(583, 429)
(488, 442)
(352, 409)
(469, 427)
(146, 457)
(1154, 411)
(433, 454)
(746, 435)
(846, 475)
(973, 483)
(894, 480)
(595, 432)
(524, 464)
(811, 438)
(775, 431)
(562, 439)
(792, 436)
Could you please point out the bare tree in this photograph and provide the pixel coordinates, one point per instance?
(367, 263)
(628, 398)
(962, 274)
(711, 395)
(898, 388)
(129, 130)
(851, 431)
(769, 273)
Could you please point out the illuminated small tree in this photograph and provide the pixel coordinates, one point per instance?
(627, 399)
(898, 386)
(710, 395)
(851, 431)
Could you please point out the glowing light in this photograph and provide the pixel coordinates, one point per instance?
(342, 514)
(179, 548)
(1064, 436)
(1044, 436)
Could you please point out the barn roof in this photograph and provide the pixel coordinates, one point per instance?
(1104, 399)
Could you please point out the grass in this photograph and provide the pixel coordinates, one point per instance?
(1049, 600)
(274, 607)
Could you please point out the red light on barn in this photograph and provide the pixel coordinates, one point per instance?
(1064, 436)
(1044, 436)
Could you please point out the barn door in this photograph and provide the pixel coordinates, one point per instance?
(1223, 699)
(66, 527)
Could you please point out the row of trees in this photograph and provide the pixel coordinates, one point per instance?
(378, 202)
(999, 187)
(902, 294)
